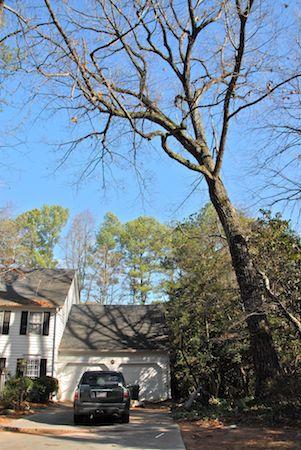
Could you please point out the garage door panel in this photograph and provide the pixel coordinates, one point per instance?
(149, 378)
(71, 376)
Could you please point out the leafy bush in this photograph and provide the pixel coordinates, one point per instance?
(17, 390)
(284, 389)
(43, 388)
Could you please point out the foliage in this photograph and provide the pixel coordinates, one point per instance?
(179, 73)
(244, 411)
(43, 388)
(20, 389)
(206, 317)
(17, 390)
(205, 314)
(40, 232)
(10, 243)
(107, 261)
(144, 243)
(130, 255)
(277, 251)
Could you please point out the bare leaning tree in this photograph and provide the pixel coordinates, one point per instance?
(178, 73)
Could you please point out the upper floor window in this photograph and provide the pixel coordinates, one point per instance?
(4, 322)
(35, 322)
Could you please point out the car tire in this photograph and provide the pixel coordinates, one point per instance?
(125, 418)
(78, 420)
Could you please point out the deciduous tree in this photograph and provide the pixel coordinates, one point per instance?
(78, 245)
(178, 73)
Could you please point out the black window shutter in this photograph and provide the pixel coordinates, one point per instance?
(20, 368)
(24, 319)
(6, 320)
(46, 323)
(2, 363)
(43, 367)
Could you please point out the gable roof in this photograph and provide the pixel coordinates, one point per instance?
(115, 327)
(46, 288)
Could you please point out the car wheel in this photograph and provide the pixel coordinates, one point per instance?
(78, 419)
(125, 418)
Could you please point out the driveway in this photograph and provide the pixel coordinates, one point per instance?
(148, 430)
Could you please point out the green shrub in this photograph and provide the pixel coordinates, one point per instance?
(43, 388)
(283, 389)
(17, 390)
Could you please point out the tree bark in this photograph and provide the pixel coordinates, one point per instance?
(251, 287)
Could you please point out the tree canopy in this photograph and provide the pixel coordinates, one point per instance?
(182, 74)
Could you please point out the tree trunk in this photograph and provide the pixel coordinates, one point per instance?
(251, 287)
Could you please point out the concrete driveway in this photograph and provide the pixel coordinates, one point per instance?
(148, 430)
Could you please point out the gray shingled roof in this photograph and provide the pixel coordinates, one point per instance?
(38, 287)
(118, 327)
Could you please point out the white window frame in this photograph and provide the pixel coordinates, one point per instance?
(32, 369)
(35, 326)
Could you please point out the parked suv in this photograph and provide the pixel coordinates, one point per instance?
(101, 393)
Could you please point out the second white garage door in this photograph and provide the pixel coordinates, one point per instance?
(149, 378)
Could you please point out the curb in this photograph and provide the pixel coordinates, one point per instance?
(49, 431)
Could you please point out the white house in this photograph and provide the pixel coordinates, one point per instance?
(34, 309)
(45, 330)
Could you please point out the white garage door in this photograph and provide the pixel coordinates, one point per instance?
(71, 376)
(149, 378)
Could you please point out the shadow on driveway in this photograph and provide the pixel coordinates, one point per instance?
(147, 430)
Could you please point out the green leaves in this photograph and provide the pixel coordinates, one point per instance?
(133, 251)
(32, 236)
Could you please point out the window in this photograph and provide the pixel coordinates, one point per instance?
(35, 323)
(31, 367)
(4, 322)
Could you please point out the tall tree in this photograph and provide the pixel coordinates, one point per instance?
(10, 241)
(129, 255)
(204, 313)
(210, 61)
(40, 231)
(208, 334)
(107, 266)
(277, 250)
(145, 242)
(78, 245)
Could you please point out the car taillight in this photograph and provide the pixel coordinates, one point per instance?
(126, 394)
(76, 395)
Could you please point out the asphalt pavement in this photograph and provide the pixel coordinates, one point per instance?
(148, 430)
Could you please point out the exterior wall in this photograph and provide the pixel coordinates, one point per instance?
(14, 345)
(149, 369)
(61, 319)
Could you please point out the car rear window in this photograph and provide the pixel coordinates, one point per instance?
(98, 378)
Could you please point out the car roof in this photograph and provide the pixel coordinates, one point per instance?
(109, 372)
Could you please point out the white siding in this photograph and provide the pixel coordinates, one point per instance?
(62, 317)
(149, 369)
(14, 345)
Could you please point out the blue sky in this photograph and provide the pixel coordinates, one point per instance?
(29, 177)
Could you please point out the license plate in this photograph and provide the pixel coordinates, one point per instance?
(100, 394)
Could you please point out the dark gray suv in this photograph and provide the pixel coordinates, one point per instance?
(101, 393)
